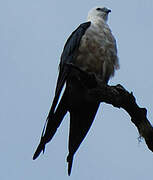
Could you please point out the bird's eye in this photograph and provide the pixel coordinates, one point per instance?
(98, 9)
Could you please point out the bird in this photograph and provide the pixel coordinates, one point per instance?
(92, 48)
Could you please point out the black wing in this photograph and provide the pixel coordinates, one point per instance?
(68, 56)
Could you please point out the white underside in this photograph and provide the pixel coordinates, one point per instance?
(97, 51)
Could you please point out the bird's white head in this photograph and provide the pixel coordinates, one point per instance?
(98, 13)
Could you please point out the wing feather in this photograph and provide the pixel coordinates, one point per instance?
(68, 56)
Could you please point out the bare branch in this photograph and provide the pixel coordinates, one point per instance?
(119, 97)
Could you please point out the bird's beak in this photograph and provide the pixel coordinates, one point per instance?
(108, 11)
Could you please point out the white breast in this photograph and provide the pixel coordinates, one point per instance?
(97, 51)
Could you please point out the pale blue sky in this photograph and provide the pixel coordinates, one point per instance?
(32, 35)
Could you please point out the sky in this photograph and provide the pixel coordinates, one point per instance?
(32, 36)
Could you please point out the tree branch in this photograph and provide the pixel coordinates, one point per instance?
(119, 97)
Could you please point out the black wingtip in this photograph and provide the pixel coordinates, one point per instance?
(40, 148)
(70, 161)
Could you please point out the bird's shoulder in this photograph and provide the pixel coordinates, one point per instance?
(78, 32)
(73, 42)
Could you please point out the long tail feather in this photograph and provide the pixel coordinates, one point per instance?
(54, 122)
(82, 114)
(70, 161)
(40, 148)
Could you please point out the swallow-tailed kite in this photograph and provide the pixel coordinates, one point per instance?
(92, 48)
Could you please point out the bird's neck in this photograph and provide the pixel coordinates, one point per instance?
(97, 20)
